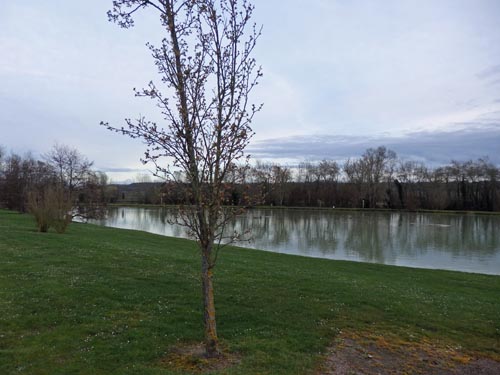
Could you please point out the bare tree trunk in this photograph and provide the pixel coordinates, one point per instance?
(206, 128)
(211, 340)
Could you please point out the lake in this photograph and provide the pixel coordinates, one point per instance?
(461, 242)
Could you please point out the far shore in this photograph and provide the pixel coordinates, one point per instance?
(463, 212)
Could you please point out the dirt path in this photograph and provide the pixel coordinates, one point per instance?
(355, 354)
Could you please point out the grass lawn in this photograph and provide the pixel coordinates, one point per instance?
(107, 301)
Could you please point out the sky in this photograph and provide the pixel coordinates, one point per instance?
(421, 77)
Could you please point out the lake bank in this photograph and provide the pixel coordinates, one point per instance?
(497, 213)
(99, 300)
(457, 242)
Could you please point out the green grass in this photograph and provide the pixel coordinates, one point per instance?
(98, 300)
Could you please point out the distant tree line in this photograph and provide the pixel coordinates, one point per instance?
(376, 179)
(135, 193)
(55, 188)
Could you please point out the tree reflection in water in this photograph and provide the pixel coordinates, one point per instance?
(463, 242)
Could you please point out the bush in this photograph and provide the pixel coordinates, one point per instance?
(51, 208)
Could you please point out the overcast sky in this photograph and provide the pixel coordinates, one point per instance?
(421, 77)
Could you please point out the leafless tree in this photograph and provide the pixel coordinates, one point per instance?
(17, 177)
(373, 168)
(328, 170)
(143, 178)
(205, 61)
(77, 182)
(281, 178)
(71, 167)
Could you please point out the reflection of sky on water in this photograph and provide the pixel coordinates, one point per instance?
(447, 241)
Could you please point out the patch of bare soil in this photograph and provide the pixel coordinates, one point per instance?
(192, 358)
(355, 354)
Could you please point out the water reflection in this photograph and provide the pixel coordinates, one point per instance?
(453, 241)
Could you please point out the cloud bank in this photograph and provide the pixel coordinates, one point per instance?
(432, 147)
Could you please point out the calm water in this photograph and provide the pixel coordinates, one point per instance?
(456, 242)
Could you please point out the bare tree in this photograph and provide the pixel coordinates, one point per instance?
(328, 170)
(72, 168)
(206, 65)
(281, 178)
(373, 168)
(77, 182)
(16, 181)
(143, 178)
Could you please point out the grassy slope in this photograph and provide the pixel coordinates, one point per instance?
(105, 301)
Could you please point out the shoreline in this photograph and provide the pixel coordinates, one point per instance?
(494, 213)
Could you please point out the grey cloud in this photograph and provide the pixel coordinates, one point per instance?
(495, 82)
(432, 147)
(489, 118)
(119, 170)
(489, 72)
